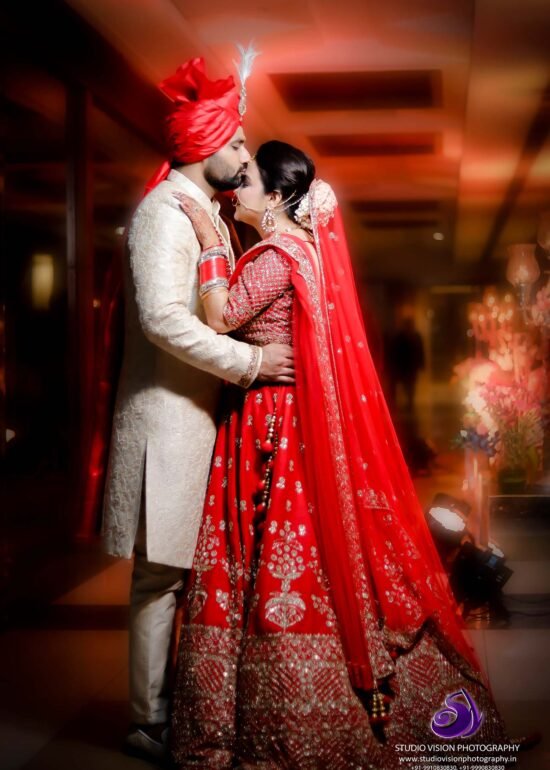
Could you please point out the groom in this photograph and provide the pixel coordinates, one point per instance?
(163, 428)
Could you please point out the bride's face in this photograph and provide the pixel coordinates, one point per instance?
(251, 198)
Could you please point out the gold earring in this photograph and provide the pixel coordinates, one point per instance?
(269, 222)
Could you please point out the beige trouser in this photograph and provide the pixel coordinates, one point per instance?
(152, 608)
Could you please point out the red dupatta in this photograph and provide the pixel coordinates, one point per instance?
(385, 575)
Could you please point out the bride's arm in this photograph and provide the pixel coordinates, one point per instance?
(214, 303)
(261, 282)
(213, 273)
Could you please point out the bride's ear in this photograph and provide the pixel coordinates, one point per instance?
(274, 198)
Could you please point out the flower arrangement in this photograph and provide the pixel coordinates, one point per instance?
(515, 416)
(503, 417)
(504, 388)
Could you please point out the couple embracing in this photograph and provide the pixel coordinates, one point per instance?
(319, 629)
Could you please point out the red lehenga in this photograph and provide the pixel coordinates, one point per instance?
(315, 576)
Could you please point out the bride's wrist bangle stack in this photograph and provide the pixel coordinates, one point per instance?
(213, 270)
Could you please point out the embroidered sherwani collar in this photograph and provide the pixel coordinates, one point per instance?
(195, 192)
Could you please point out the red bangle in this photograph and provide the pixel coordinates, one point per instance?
(213, 268)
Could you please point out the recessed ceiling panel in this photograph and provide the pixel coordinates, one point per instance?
(395, 206)
(400, 224)
(356, 145)
(389, 90)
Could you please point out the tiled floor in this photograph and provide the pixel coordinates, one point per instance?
(64, 672)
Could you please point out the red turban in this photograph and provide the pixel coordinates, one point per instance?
(204, 115)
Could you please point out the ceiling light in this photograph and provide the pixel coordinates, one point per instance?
(438, 237)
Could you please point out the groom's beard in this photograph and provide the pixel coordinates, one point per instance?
(221, 181)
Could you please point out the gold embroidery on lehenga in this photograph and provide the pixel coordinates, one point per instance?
(286, 607)
(203, 714)
(205, 558)
(321, 604)
(295, 708)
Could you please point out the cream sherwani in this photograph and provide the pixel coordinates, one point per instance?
(163, 429)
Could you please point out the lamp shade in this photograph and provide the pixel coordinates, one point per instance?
(523, 268)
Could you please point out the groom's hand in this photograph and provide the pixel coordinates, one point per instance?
(277, 364)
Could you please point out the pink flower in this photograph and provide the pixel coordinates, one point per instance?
(500, 377)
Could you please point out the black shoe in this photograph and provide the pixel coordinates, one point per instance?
(140, 744)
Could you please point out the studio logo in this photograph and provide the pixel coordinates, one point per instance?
(458, 719)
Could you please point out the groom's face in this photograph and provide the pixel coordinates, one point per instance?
(225, 169)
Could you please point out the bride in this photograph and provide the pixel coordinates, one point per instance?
(319, 627)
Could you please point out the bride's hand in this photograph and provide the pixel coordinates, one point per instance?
(205, 231)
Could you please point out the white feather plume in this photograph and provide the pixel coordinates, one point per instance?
(244, 67)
